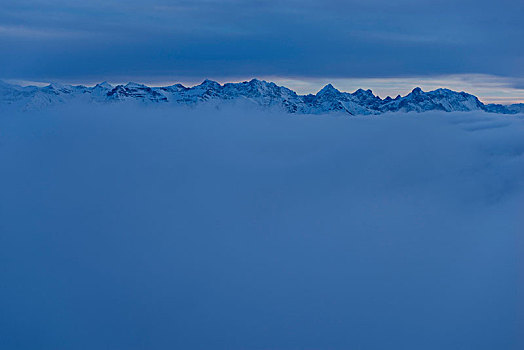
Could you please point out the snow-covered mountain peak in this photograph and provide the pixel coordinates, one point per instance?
(133, 85)
(328, 90)
(366, 96)
(54, 86)
(259, 92)
(417, 91)
(209, 84)
(363, 92)
(57, 88)
(104, 85)
(256, 81)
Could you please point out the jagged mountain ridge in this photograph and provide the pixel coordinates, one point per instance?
(261, 93)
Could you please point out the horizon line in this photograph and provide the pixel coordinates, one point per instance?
(306, 86)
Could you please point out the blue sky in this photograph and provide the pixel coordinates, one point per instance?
(307, 42)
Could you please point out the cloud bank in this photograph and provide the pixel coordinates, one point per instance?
(195, 39)
(158, 228)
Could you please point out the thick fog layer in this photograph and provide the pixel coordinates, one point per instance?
(151, 228)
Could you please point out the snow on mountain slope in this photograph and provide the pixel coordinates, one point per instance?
(183, 227)
(505, 109)
(135, 92)
(329, 99)
(260, 93)
(440, 99)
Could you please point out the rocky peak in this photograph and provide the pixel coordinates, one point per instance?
(259, 92)
(104, 85)
(209, 85)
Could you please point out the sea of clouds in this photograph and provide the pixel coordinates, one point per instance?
(128, 227)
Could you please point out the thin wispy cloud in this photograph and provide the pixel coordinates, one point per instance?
(38, 33)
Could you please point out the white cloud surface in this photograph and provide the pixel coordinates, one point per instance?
(233, 229)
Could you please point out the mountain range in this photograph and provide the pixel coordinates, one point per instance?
(258, 92)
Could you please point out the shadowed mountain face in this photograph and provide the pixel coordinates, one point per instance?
(260, 93)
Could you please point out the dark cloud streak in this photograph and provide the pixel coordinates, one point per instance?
(233, 38)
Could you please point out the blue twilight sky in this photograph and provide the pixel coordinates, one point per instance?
(305, 43)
